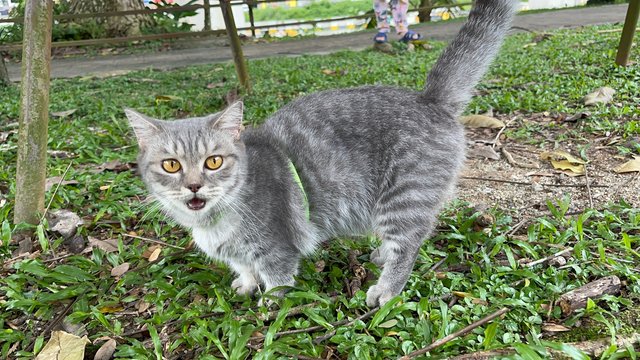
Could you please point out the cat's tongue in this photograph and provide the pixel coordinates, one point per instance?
(196, 203)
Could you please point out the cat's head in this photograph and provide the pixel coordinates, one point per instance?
(193, 166)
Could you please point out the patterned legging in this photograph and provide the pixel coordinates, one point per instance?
(399, 10)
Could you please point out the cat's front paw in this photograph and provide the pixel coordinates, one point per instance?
(244, 287)
(378, 295)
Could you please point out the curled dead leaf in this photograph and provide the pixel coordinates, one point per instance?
(109, 245)
(562, 160)
(601, 95)
(63, 114)
(120, 269)
(63, 345)
(148, 251)
(106, 350)
(155, 255)
(481, 121)
(551, 327)
(629, 166)
(143, 306)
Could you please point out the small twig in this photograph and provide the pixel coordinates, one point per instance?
(586, 177)
(456, 334)
(528, 183)
(513, 161)
(545, 259)
(517, 226)
(437, 265)
(85, 251)
(55, 192)
(497, 138)
(271, 315)
(364, 316)
(44, 214)
(154, 241)
(53, 323)
(523, 28)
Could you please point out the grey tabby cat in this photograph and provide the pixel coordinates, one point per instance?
(372, 159)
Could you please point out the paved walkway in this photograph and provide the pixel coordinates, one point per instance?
(212, 51)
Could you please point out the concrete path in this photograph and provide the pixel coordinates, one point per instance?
(212, 51)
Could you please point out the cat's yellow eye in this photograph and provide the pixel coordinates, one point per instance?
(213, 162)
(171, 166)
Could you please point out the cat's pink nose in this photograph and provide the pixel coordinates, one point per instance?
(194, 187)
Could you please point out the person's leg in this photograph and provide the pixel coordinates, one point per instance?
(399, 9)
(381, 9)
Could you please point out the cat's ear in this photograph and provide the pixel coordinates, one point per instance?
(143, 126)
(231, 119)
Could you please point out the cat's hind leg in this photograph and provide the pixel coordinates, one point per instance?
(402, 233)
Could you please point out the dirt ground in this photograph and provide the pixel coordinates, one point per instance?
(510, 174)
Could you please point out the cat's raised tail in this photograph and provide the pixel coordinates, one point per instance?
(467, 57)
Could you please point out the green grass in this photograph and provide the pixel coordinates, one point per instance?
(192, 310)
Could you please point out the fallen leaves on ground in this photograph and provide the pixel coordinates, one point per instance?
(63, 346)
(50, 182)
(481, 121)
(106, 350)
(120, 269)
(562, 160)
(601, 95)
(629, 166)
(109, 245)
(115, 166)
(63, 114)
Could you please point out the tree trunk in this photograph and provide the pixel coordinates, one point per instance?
(4, 74)
(34, 112)
(116, 26)
(425, 15)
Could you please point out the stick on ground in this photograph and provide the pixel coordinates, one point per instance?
(456, 334)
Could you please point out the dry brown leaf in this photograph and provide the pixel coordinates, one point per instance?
(328, 72)
(551, 327)
(481, 121)
(106, 350)
(155, 255)
(562, 160)
(115, 166)
(143, 306)
(64, 346)
(120, 269)
(110, 309)
(629, 166)
(109, 245)
(148, 251)
(482, 152)
(568, 167)
(561, 155)
(54, 181)
(63, 114)
(319, 265)
(601, 95)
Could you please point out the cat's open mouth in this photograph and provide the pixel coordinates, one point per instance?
(196, 203)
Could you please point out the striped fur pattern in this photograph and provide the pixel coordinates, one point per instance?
(367, 165)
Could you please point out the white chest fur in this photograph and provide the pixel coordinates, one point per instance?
(211, 239)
